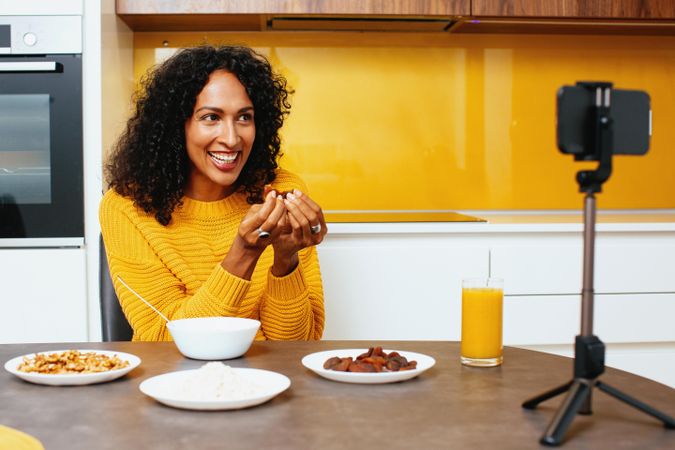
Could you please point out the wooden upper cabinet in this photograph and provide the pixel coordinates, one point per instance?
(374, 7)
(579, 9)
(455, 16)
(258, 15)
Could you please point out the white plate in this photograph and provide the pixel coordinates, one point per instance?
(162, 388)
(314, 362)
(73, 379)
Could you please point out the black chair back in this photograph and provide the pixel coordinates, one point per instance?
(114, 325)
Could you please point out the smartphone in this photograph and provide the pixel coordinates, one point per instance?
(631, 116)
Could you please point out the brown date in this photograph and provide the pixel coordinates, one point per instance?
(374, 360)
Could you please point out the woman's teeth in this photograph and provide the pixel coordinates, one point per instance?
(226, 158)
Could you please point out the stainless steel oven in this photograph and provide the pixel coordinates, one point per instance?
(41, 174)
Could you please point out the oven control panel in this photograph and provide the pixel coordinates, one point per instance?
(44, 35)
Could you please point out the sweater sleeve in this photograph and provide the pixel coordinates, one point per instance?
(132, 258)
(292, 306)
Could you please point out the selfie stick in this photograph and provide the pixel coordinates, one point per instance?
(589, 350)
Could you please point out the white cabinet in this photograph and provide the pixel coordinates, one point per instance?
(384, 281)
(541, 319)
(636, 263)
(43, 295)
(552, 264)
(618, 318)
(654, 360)
(538, 265)
(396, 287)
(634, 287)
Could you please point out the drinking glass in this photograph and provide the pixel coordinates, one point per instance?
(482, 304)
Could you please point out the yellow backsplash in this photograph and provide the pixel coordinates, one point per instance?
(416, 121)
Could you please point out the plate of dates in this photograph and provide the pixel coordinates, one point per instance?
(368, 366)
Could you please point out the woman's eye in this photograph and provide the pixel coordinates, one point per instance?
(209, 117)
(246, 117)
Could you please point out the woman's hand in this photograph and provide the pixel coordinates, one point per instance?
(304, 226)
(263, 222)
(259, 228)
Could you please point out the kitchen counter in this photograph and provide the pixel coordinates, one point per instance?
(495, 222)
(398, 217)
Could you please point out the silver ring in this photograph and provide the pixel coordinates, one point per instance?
(315, 229)
(262, 234)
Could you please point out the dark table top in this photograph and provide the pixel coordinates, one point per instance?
(449, 406)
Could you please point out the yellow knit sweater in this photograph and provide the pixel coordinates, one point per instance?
(177, 269)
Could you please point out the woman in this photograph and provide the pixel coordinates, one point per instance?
(190, 222)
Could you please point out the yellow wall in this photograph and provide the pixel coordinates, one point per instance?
(411, 121)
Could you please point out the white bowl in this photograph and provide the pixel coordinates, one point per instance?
(213, 338)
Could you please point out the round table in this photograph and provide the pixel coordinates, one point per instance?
(449, 406)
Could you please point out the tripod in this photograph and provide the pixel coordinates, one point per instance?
(589, 350)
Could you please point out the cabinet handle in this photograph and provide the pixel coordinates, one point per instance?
(30, 66)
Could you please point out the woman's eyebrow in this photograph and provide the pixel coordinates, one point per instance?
(219, 110)
(212, 108)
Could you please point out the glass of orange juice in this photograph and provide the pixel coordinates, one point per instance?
(482, 303)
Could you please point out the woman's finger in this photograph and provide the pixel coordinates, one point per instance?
(315, 207)
(310, 210)
(285, 224)
(298, 233)
(306, 235)
(250, 227)
(294, 209)
(271, 222)
(261, 212)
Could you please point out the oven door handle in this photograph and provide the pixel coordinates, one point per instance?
(30, 66)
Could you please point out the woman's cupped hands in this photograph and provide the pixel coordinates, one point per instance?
(289, 221)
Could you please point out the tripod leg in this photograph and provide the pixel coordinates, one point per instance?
(668, 421)
(534, 402)
(563, 417)
(586, 407)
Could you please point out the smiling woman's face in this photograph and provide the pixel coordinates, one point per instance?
(219, 136)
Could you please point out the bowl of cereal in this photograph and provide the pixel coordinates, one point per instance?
(213, 338)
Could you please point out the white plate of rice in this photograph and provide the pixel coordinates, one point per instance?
(215, 386)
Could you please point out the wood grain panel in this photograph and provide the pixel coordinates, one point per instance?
(564, 26)
(366, 23)
(624, 9)
(193, 22)
(377, 7)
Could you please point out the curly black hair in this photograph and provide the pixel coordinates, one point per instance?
(149, 162)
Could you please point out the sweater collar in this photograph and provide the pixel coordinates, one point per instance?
(197, 208)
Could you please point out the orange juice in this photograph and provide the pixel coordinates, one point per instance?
(482, 325)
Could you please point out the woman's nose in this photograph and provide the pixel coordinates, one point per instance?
(228, 134)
